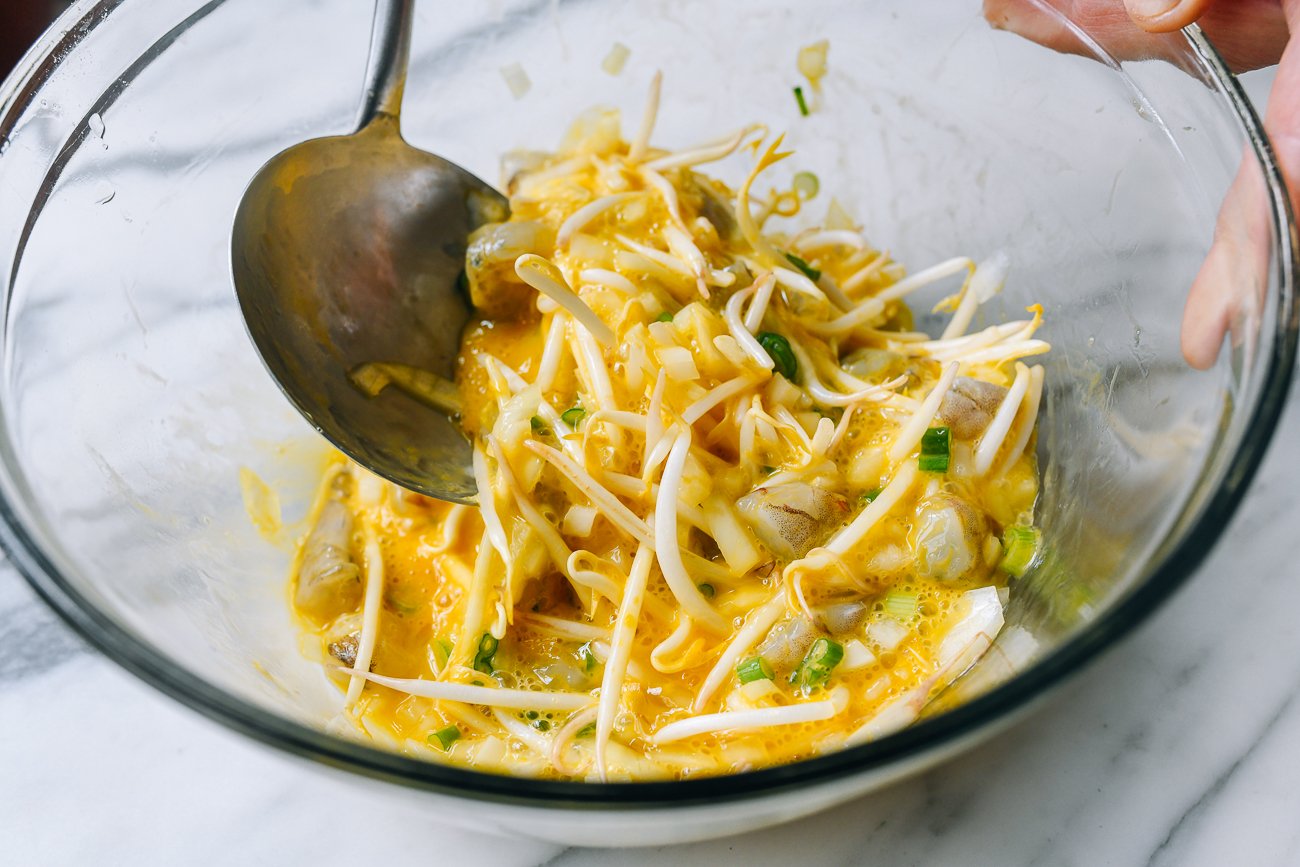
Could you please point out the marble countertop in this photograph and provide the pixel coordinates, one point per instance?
(1179, 747)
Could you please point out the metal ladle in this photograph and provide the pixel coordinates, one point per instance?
(346, 250)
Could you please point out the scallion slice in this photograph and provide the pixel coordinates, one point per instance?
(573, 415)
(487, 648)
(444, 738)
(900, 606)
(1020, 546)
(441, 648)
(870, 496)
(798, 97)
(809, 271)
(806, 185)
(778, 348)
(706, 590)
(936, 450)
(755, 668)
(538, 426)
(816, 667)
(664, 317)
(588, 658)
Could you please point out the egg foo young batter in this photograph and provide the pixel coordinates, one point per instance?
(734, 511)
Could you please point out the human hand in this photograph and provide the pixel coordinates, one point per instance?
(1249, 34)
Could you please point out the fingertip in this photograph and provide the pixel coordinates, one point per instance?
(1200, 351)
(1165, 16)
(1210, 302)
(1003, 14)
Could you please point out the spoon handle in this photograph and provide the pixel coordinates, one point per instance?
(390, 49)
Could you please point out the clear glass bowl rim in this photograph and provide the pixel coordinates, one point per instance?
(929, 735)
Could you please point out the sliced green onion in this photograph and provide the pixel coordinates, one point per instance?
(539, 426)
(809, 271)
(706, 590)
(444, 738)
(573, 415)
(870, 496)
(588, 658)
(816, 667)
(901, 606)
(806, 185)
(586, 731)
(798, 97)
(664, 317)
(1020, 546)
(542, 725)
(487, 648)
(936, 450)
(441, 651)
(754, 669)
(778, 348)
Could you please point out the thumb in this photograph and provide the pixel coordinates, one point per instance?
(1165, 16)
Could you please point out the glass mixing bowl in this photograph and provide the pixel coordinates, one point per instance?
(131, 396)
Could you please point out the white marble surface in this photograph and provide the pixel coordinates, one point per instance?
(1178, 748)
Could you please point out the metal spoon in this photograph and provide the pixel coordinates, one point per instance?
(346, 250)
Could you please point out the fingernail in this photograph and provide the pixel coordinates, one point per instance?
(1150, 8)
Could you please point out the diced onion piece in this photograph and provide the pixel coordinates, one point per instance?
(756, 690)
(615, 59)
(678, 363)
(887, 633)
(516, 79)
(812, 61)
(856, 656)
(578, 521)
(837, 217)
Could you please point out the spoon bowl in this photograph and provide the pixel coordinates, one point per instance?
(347, 251)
